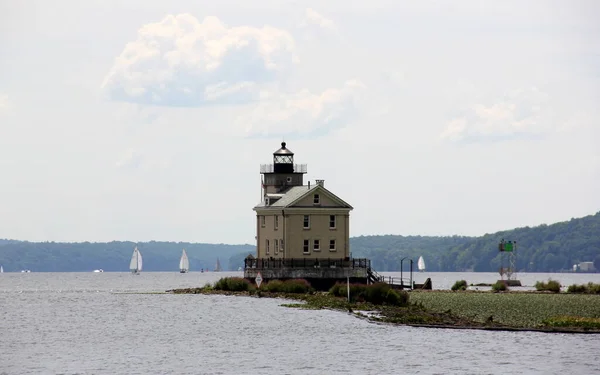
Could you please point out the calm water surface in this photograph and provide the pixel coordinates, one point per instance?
(83, 323)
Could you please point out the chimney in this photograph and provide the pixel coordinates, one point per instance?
(320, 182)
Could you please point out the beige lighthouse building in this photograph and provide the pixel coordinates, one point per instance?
(295, 220)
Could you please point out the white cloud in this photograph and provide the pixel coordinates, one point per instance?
(318, 19)
(521, 113)
(183, 62)
(303, 113)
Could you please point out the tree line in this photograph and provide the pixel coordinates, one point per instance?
(544, 248)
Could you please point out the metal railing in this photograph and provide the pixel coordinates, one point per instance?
(270, 168)
(270, 263)
(399, 281)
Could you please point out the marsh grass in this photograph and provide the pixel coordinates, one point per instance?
(573, 321)
(550, 286)
(513, 309)
(378, 294)
(233, 284)
(459, 285)
(288, 286)
(499, 286)
(589, 288)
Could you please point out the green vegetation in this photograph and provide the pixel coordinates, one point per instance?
(377, 294)
(512, 309)
(499, 286)
(573, 321)
(233, 284)
(589, 288)
(550, 286)
(288, 286)
(460, 285)
(545, 248)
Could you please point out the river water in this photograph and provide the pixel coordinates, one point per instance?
(88, 323)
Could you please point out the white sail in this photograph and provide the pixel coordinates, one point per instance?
(184, 263)
(1, 269)
(218, 266)
(421, 264)
(136, 261)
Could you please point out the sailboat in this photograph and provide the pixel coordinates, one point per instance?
(1, 269)
(136, 262)
(184, 263)
(218, 266)
(421, 264)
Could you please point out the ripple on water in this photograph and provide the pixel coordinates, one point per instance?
(85, 328)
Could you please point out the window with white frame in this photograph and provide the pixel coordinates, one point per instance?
(332, 221)
(306, 224)
(316, 199)
(331, 245)
(276, 222)
(263, 221)
(276, 246)
(267, 246)
(306, 248)
(316, 245)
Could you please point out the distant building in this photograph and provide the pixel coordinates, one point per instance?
(585, 267)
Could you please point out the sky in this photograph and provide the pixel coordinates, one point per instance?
(148, 120)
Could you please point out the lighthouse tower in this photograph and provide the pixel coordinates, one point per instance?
(283, 173)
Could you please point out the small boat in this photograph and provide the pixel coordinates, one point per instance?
(1, 269)
(135, 266)
(218, 266)
(100, 270)
(184, 263)
(421, 264)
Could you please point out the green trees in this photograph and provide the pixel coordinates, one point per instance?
(545, 248)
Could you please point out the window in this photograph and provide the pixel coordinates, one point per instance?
(267, 241)
(276, 222)
(306, 221)
(281, 245)
(316, 199)
(331, 221)
(276, 247)
(262, 221)
(306, 248)
(331, 245)
(316, 245)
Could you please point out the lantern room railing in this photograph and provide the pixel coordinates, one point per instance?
(270, 168)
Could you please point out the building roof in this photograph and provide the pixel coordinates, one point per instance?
(283, 150)
(295, 194)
